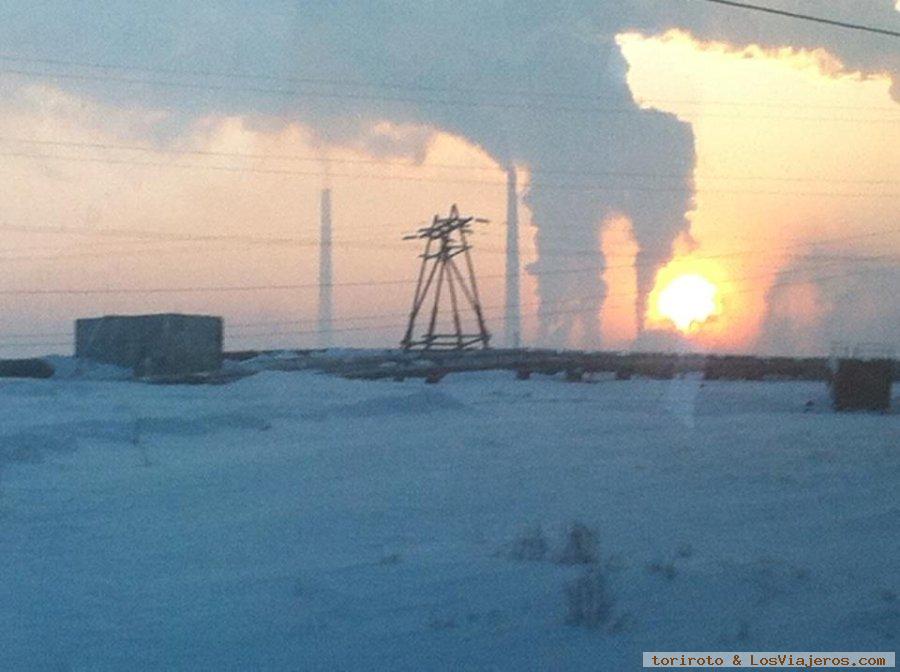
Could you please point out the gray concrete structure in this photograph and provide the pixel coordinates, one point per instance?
(152, 345)
(862, 385)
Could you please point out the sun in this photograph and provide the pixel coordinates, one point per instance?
(688, 301)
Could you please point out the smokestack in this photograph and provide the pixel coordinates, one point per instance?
(513, 325)
(325, 275)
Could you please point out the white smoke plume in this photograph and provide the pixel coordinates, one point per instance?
(533, 83)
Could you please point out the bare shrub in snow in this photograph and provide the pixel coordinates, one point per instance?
(441, 623)
(580, 547)
(299, 589)
(666, 569)
(621, 623)
(685, 550)
(614, 563)
(137, 442)
(588, 600)
(887, 595)
(531, 545)
(774, 580)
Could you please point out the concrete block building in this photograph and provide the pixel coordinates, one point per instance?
(152, 345)
(862, 385)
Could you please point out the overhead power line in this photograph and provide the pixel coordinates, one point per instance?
(495, 319)
(12, 256)
(607, 303)
(373, 283)
(587, 187)
(529, 106)
(243, 327)
(401, 86)
(569, 311)
(166, 236)
(257, 156)
(806, 17)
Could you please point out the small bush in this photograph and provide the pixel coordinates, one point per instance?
(531, 545)
(580, 546)
(887, 595)
(589, 602)
(684, 550)
(441, 623)
(666, 569)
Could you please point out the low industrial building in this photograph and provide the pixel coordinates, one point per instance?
(734, 367)
(152, 345)
(25, 368)
(862, 385)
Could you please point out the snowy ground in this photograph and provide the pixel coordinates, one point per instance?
(293, 521)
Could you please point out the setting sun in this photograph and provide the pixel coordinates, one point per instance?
(687, 300)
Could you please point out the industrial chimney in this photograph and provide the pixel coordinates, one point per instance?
(513, 325)
(325, 279)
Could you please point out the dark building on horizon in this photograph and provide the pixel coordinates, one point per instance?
(166, 344)
(862, 384)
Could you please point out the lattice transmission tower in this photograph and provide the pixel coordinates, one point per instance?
(446, 239)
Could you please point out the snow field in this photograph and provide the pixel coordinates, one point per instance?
(294, 521)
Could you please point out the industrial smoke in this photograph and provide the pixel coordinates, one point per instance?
(535, 84)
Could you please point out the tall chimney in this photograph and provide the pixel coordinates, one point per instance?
(325, 275)
(513, 324)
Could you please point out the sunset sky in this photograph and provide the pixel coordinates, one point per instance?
(800, 157)
(795, 221)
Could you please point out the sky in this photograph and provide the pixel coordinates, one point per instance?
(182, 150)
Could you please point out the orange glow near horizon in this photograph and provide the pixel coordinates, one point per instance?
(687, 301)
(779, 141)
(694, 296)
(781, 135)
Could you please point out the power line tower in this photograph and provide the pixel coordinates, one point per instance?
(445, 239)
